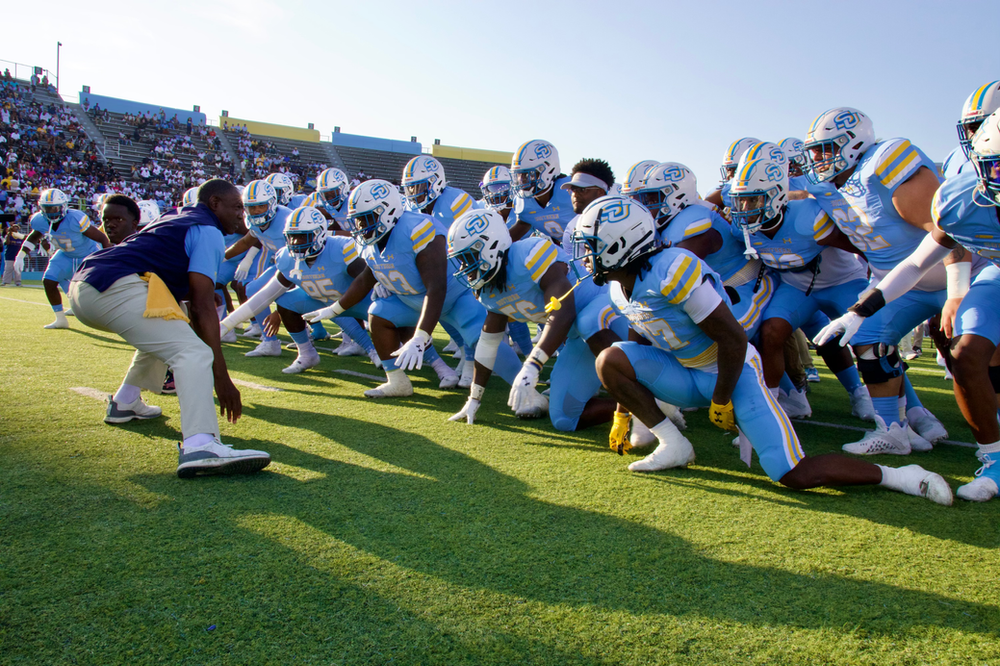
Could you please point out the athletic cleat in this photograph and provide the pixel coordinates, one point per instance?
(812, 375)
(399, 388)
(124, 413)
(538, 408)
(266, 348)
(450, 348)
(796, 404)
(468, 370)
(447, 380)
(169, 387)
(68, 313)
(350, 348)
(301, 363)
(219, 458)
(253, 331)
(913, 354)
(917, 443)
(984, 487)
(376, 361)
(675, 452)
(892, 441)
(60, 322)
(917, 481)
(861, 404)
(230, 336)
(926, 424)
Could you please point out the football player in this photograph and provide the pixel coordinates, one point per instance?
(540, 202)
(983, 101)
(720, 197)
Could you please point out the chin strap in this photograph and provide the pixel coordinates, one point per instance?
(296, 273)
(556, 303)
(749, 253)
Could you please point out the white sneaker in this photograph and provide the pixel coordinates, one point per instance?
(447, 380)
(60, 322)
(68, 313)
(124, 413)
(301, 363)
(398, 387)
(861, 404)
(376, 361)
(468, 370)
(926, 424)
(892, 440)
(219, 458)
(675, 452)
(450, 348)
(640, 436)
(253, 331)
(917, 443)
(266, 348)
(230, 336)
(672, 413)
(796, 404)
(538, 407)
(918, 482)
(984, 487)
(350, 348)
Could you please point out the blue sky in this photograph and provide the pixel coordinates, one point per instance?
(626, 81)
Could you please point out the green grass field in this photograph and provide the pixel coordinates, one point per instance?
(382, 533)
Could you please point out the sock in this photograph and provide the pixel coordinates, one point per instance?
(355, 331)
(318, 330)
(395, 376)
(441, 368)
(518, 331)
(389, 365)
(221, 311)
(891, 478)
(198, 441)
(57, 308)
(664, 430)
(303, 344)
(887, 409)
(901, 401)
(849, 379)
(431, 356)
(911, 396)
(127, 394)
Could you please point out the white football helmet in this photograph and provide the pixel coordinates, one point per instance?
(305, 232)
(260, 202)
(313, 200)
(373, 209)
(980, 105)
(190, 197)
(667, 189)
(795, 151)
(534, 168)
(54, 204)
(283, 187)
(759, 191)
(836, 141)
(477, 241)
(732, 157)
(985, 156)
(612, 232)
(333, 187)
(99, 200)
(495, 187)
(150, 212)
(423, 181)
(635, 175)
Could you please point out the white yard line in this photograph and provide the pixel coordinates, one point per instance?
(857, 429)
(259, 387)
(18, 300)
(90, 392)
(359, 374)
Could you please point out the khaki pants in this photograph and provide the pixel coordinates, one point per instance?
(10, 274)
(159, 343)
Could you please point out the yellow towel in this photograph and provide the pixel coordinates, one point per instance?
(160, 302)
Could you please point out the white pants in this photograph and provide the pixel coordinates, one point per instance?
(159, 343)
(11, 274)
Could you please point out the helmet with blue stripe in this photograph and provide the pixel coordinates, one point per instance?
(373, 209)
(54, 204)
(283, 187)
(759, 191)
(150, 212)
(836, 141)
(333, 187)
(305, 232)
(534, 168)
(477, 241)
(635, 175)
(985, 156)
(733, 154)
(495, 187)
(423, 181)
(611, 233)
(983, 101)
(190, 197)
(795, 151)
(666, 190)
(260, 202)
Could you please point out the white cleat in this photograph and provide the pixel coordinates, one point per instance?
(450, 348)
(917, 443)
(538, 408)
(447, 380)
(301, 363)
(394, 388)
(230, 336)
(892, 440)
(925, 423)
(60, 322)
(984, 487)
(796, 404)
(266, 348)
(675, 452)
(918, 482)
(68, 313)
(376, 361)
(468, 370)
(350, 348)
(253, 331)
(861, 404)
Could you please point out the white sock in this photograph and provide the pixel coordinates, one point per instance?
(441, 367)
(306, 348)
(902, 408)
(221, 311)
(394, 377)
(127, 394)
(198, 441)
(665, 430)
(990, 448)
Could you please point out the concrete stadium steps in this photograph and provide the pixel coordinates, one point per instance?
(466, 174)
(309, 152)
(463, 174)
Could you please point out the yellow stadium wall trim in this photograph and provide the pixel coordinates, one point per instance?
(270, 129)
(471, 154)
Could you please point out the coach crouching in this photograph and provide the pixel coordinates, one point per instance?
(133, 289)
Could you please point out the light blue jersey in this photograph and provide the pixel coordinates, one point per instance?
(67, 235)
(694, 221)
(326, 279)
(549, 221)
(873, 224)
(450, 205)
(956, 162)
(297, 201)
(956, 213)
(272, 238)
(727, 202)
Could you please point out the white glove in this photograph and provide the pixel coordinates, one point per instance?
(848, 324)
(468, 412)
(19, 262)
(522, 388)
(380, 291)
(243, 270)
(411, 355)
(329, 312)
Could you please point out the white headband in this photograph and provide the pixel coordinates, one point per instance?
(581, 179)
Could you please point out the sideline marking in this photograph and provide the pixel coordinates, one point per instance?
(90, 392)
(857, 429)
(259, 387)
(18, 300)
(359, 374)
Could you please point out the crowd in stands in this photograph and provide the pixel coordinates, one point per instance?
(260, 157)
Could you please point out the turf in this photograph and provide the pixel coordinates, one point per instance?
(384, 534)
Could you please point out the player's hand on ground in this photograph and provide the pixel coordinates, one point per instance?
(317, 316)
(271, 324)
(411, 355)
(468, 412)
(618, 439)
(523, 386)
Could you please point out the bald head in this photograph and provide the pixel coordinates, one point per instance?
(224, 200)
(215, 188)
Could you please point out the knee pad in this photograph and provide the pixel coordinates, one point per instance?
(880, 364)
(995, 377)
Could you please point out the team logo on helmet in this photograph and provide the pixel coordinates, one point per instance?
(614, 211)
(778, 155)
(542, 151)
(673, 175)
(477, 224)
(431, 164)
(773, 173)
(380, 191)
(846, 120)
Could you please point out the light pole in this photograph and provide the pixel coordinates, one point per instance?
(58, 47)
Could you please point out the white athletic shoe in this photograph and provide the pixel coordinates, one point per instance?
(350, 348)
(674, 452)
(230, 336)
(218, 458)
(796, 404)
(468, 369)
(861, 404)
(640, 436)
(252, 331)
(68, 313)
(918, 482)
(266, 348)
(447, 380)
(376, 361)
(984, 487)
(892, 440)
(398, 387)
(450, 348)
(538, 407)
(117, 413)
(301, 363)
(60, 322)
(917, 443)
(926, 424)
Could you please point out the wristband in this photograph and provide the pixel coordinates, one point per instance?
(476, 392)
(958, 278)
(336, 310)
(538, 357)
(27, 247)
(871, 301)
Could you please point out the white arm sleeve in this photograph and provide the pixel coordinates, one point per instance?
(702, 302)
(267, 294)
(909, 271)
(486, 349)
